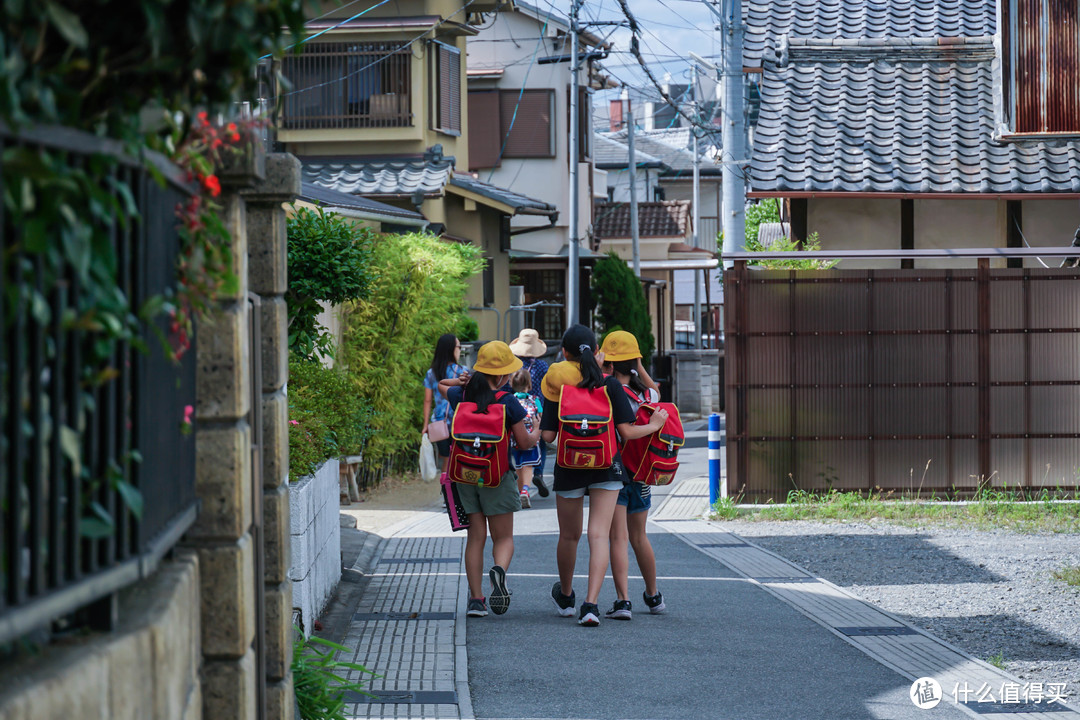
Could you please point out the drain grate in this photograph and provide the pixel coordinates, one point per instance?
(376, 616)
(991, 708)
(402, 561)
(724, 545)
(876, 630)
(777, 580)
(404, 697)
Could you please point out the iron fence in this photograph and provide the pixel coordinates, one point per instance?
(914, 381)
(75, 449)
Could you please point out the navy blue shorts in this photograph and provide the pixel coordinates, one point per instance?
(635, 497)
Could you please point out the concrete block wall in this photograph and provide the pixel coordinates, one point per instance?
(148, 667)
(316, 541)
(267, 252)
(696, 377)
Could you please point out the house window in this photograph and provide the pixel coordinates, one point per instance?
(545, 285)
(1041, 78)
(497, 118)
(488, 280)
(347, 85)
(446, 84)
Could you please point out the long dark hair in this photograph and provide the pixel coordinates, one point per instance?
(479, 391)
(579, 343)
(629, 368)
(444, 355)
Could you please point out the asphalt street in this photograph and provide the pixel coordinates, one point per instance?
(724, 649)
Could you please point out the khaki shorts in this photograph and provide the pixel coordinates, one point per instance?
(491, 501)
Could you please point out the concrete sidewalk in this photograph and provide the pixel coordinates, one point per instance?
(747, 634)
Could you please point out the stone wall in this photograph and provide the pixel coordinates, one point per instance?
(315, 542)
(148, 667)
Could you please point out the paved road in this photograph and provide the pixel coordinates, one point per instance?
(725, 649)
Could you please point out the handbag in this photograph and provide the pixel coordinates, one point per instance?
(438, 430)
(459, 519)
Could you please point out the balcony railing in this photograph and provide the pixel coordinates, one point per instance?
(348, 85)
(70, 447)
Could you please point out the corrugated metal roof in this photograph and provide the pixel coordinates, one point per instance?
(896, 126)
(769, 20)
(332, 198)
(522, 204)
(380, 177)
(672, 147)
(668, 219)
(609, 154)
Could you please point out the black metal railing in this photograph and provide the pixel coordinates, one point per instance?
(81, 454)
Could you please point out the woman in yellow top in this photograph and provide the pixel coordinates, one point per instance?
(603, 485)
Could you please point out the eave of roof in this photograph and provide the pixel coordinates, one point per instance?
(334, 26)
(317, 194)
(501, 199)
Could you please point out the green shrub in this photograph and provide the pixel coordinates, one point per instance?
(328, 416)
(329, 261)
(320, 689)
(389, 338)
(621, 303)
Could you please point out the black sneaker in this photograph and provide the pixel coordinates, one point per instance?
(589, 615)
(541, 486)
(619, 611)
(500, 596)
(477, 608)
(655, 602)
(564, 604)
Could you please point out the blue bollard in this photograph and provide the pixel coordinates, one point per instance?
(715, 491)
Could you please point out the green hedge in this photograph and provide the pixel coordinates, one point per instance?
(389, 338)
(328, 416)
(621, 303)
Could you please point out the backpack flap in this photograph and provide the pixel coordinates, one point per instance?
(479, 449)
(586, 430)
(656, 461)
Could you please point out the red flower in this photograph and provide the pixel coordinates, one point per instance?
(213, 185)
(231, 127)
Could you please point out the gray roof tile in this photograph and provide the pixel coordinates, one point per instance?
(768, 20)
(521, 203)
(913, 127)
(379, 177)
(609, 153)
(671, 146)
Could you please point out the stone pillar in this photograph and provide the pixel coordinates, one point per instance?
(267, 252)
(222, 532)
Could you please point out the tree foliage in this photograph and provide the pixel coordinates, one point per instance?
(621, 303)
(328, 416)
(389, 337)
(767, 212)
(330, 260)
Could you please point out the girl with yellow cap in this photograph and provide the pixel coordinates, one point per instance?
(622, 359)
(603, 485)
(491, 509)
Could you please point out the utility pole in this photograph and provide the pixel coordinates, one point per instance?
(635, 240)
(697, 205)
(734, 132)
(572, 269)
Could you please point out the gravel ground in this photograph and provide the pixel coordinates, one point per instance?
(987, 592)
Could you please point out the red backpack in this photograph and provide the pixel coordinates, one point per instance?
(653, 459)
(587, 438)
(479, 445)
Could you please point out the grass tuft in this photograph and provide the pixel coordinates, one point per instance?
(997, 660)
(1070, 575)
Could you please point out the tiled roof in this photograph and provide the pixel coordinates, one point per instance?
(771, 232)
(672, 148)
(380, 177)
(664, 219)
(896, 126)
(769, 20)
(609, 154)
(332, 198)
(522, 204)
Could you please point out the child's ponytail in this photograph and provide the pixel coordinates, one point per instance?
(479, 391)
(579, 342)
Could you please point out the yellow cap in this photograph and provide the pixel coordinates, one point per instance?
(620, 345)
(559, 374)
(495, 358)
